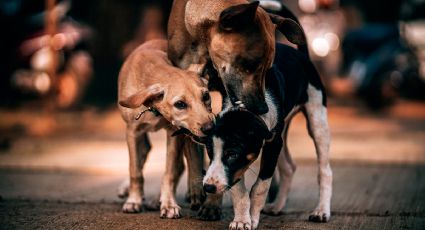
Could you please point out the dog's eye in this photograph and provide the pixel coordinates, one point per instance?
(180, 105)
(206, 97)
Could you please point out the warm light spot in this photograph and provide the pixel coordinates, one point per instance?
(320, 47)
(42, 60)
(308, 6)
(42, 82)
(332, 40)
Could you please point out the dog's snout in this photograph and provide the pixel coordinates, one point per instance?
(207, 127)
(210, 188)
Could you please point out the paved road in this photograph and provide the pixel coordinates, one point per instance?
(365, 197)
(65, 171)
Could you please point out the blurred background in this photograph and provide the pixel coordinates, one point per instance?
(59, 64)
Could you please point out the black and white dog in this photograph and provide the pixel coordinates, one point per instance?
(292, 85)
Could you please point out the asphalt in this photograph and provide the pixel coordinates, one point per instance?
(63, 173)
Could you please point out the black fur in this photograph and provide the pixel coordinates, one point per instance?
(244, 133)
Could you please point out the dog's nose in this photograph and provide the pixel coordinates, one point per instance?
(207, 128)
(210, 188)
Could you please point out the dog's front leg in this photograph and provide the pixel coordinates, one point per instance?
(194, 154)
(138, 148)
(261, 187)
(287, 169)
(211, 208)
(241, 203)
(258, 198)
(173, 169)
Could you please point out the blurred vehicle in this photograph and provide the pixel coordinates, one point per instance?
(382, 62)
(55, 66)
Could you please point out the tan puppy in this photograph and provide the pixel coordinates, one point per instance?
(178, 99)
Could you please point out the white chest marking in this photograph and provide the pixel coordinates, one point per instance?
(270, 118)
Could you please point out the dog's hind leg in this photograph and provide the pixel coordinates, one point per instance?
(173, 168)
(316, 114)
(138, 147)
(286, 169)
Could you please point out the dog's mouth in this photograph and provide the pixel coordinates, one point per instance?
(184, 131)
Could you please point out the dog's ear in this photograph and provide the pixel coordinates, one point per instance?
(236, 16)
(291, 29)
(145, 97)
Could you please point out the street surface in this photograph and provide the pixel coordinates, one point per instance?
(62, 171)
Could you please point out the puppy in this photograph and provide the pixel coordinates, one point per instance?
(237, 36)
(153, 94)
(292, 85)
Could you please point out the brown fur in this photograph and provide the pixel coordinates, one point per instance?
(148, 79)
(196, 34)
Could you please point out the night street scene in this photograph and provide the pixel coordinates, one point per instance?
(225, 114)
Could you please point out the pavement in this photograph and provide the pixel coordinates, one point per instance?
(62, 171)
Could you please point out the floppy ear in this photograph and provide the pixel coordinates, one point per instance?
(237, 16)
(145, 97)
(291, 29)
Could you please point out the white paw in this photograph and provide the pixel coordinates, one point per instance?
(170, 211)
(320, 215)
(133, 205)
(240, 225)
(272, 209)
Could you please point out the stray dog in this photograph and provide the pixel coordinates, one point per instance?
(153, 94)
(292, 85)
(236, 36)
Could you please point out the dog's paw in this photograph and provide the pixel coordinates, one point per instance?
(197, 197)
(272, 210)
(132, 207)
(209, 212)
(170, 211)
(319, 215)
(239, 225)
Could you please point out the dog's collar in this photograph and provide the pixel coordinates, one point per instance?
(150, 109)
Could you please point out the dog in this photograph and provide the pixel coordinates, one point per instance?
(292, 85)
(153, 94)
(236, 36)
(233, 41)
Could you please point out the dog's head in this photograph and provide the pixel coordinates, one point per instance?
(184, 101)
(242, 49)
(234, 145)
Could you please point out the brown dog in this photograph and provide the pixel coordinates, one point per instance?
(238, 39)
(161, 96)
(237, 36)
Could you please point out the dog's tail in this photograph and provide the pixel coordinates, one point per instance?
(280, 9)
